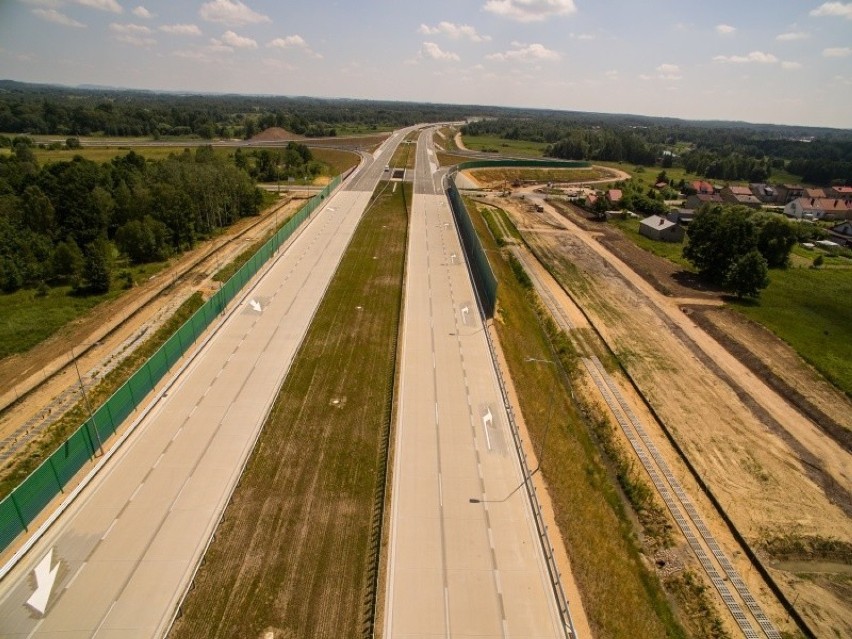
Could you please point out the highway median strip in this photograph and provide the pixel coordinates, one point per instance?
(297, 550)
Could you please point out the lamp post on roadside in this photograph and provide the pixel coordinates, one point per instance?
(86, 400)
(540, 454)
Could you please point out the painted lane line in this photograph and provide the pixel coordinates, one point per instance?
(177, 433)
(136, 492)
(440, 491)
(159, 459)
(103, 621)
(108, 530)
(76, 574)
(447, 612)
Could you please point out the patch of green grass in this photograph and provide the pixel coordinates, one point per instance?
(671, 251)
(501, 146)
(27, 319)
(59, 431)
(589, 510)
(293, 552)
(337, 161)
(810, 309)
(511, 174)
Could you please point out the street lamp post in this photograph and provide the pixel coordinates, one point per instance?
(86, 400)
(540, 455)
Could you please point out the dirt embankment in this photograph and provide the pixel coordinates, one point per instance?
(776, 471)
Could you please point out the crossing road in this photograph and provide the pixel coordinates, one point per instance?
(117, 562)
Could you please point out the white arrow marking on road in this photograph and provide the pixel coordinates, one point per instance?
(255, 306)
(44, 576)
(453, 258)
(465, 310)
(487, 420)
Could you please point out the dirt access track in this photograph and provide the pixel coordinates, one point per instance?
(777, 474)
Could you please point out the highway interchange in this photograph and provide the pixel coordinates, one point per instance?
(120, 558)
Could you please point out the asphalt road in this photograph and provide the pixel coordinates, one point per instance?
(456, 568)
(117, 562)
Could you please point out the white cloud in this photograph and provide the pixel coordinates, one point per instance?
(128, 28)
(530, 10)
(136, 41)
(583, 36)
(791, 65)
(231, 12)
(526, 53)
(792, 35)
(725, 29)
(432, 50)
(103, 5)
(52, 15)
(287, 42)
(612, 74)
(837, 52)
(231, 39)
(454, 31)
(839, 9)
(294, 41)
(180, 29)
(664, 72)
(142, 12)
(754, 56)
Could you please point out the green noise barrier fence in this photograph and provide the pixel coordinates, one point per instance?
(483, 276)
(20, 508)
(480, 269)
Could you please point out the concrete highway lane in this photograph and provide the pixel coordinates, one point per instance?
(117, 562)
(456, 568)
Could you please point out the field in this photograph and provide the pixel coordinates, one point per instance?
(590, 513)
(497, 176)
(27, 318)
(670, 250)
(810, 309)
(294, 554)
(500, 146)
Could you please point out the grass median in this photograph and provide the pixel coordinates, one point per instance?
(295, 554)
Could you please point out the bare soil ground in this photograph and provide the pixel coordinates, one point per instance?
(106, 333)
(775, 472)
(275, 134)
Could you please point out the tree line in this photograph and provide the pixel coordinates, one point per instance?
(734, 152)
(51, 110)
(65, 222)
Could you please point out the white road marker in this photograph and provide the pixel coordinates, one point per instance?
(464, 313)
(487, 420)
(255, 306)
(45, 577)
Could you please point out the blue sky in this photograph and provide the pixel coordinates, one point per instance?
(781, 61)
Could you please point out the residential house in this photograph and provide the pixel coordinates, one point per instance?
(842, 233)
(788, 193)
(763, 192)
(681, 216)
(840, 192)
(659, 228)
(813, 193)
(698, 200)
(740, 195)
(702, 188)
(614, 196)
(591, 200)
(824, 208)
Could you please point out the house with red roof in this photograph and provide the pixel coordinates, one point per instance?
(824, 208)
(740, 195)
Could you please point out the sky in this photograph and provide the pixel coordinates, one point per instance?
(775, 61)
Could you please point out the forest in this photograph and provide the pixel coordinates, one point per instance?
(64, 222)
